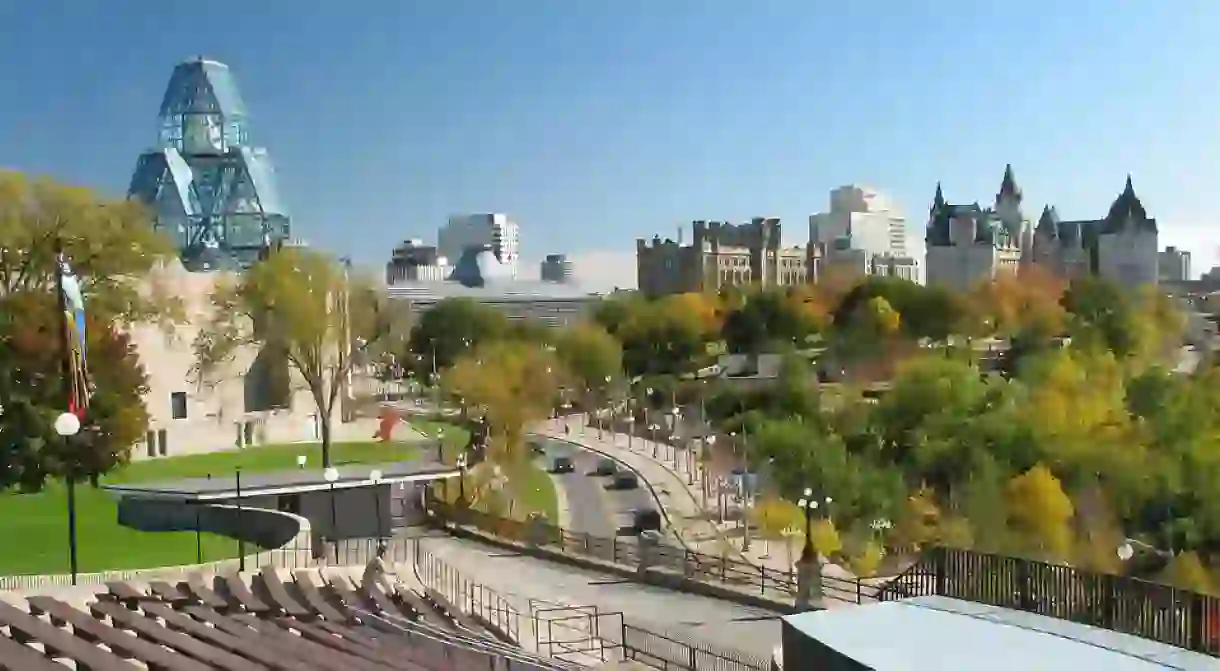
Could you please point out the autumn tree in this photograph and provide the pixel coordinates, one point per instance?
(449, 330)
(772, 316)
(302, 305)
(592, 356)
(32, 394)
(668, 336)
(511, 384)
(1039, 508)
(1025, 304)
(111, 245)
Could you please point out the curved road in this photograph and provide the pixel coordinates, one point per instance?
(592, 508)
(719, 623)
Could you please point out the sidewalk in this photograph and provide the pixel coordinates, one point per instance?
(681, 495)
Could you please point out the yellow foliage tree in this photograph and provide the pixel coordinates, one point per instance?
(1028, 302)
(773, 515)
(826, 538)
(1041, 511)
(511, 384)
(866, 562)
(918, 520)
(696, 308)
(1187, 571)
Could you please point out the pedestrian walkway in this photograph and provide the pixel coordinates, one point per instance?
(693, 518)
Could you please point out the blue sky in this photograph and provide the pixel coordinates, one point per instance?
(594, 123)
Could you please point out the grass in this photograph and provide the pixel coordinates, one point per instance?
(35, 530)
(530, 487)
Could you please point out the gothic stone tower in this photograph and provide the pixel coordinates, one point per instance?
(210, 189)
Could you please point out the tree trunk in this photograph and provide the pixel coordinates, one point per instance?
(324, 418)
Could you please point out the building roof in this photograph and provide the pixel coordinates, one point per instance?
(502, 291)
(224, 486)
(934, 632)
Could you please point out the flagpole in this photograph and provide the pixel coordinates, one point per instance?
(70, 381)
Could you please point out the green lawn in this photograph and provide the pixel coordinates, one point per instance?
(35, 532)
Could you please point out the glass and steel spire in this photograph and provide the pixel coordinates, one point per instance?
(210, 189)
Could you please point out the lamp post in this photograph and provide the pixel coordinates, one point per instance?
(808, 505)
(655, 446)
(331, 475)
(675, 417)
(461, 464)
(301, 461)
(68, 425)
(709, 444)
(241, 542)
(440, 445)
(375, 480)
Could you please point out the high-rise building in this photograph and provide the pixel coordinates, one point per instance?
(1173, 265)
(494, 231)
(416, 262)
(863, 233)
(210, 188)
(556, 268)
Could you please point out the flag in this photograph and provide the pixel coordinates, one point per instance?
(76, 369)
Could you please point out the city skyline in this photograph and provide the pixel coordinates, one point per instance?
(583, 120)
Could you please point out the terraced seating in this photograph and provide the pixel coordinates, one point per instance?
(313, 621)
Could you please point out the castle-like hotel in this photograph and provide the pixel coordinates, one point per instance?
(969, 243)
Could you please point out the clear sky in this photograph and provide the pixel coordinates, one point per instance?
(594, 123)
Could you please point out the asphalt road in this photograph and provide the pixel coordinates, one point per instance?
(718, 623)
(592, 508)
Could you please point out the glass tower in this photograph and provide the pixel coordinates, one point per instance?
(210, 190)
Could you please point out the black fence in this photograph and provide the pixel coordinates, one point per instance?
(1128, 605)
(688, 564)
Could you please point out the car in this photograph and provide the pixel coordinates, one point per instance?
(562, 465)
(645, 519)
(625, 481)
(606, 466)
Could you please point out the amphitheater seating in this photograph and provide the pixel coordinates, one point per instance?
(308, 622)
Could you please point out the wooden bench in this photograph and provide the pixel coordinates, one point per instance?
(243, 646)
(204, 594)
(125, 593)
(345, 591)
(148, 629)
(24, 628)
(16, 656)
(452, 612)
(174, 595)
(272, 653)
(92, 629)
(324, 649)
(278, 597)
(314, 598)
(237, 588)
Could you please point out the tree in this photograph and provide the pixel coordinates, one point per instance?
(668, 336)
(33, 393)
(1040, 510)
(511, 384)
(449, 330)
(772, 316)
(591, 355)
(111, 245)
(303, 306)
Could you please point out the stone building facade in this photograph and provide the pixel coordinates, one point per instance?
(967, 244)
(721, 255)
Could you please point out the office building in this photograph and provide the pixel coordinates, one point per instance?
(556, 268)
(1173, 265)
(862, 234)
(495, 232)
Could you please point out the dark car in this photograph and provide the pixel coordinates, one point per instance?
(625, 481)
(645, 519)
(606, 466)
(562, 465)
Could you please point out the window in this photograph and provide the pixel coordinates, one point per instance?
(177, 404)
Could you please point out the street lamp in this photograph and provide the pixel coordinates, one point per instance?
(808, 505)
(301, 461)
(710, 444)
(440, 445)
(375, 480)
(66, 426)
(1125, 552)
(655, 446)
(331, 475)
(461, 464)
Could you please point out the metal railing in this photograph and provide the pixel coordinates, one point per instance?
(579, 634)
(696, 566)
(1157, 612)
